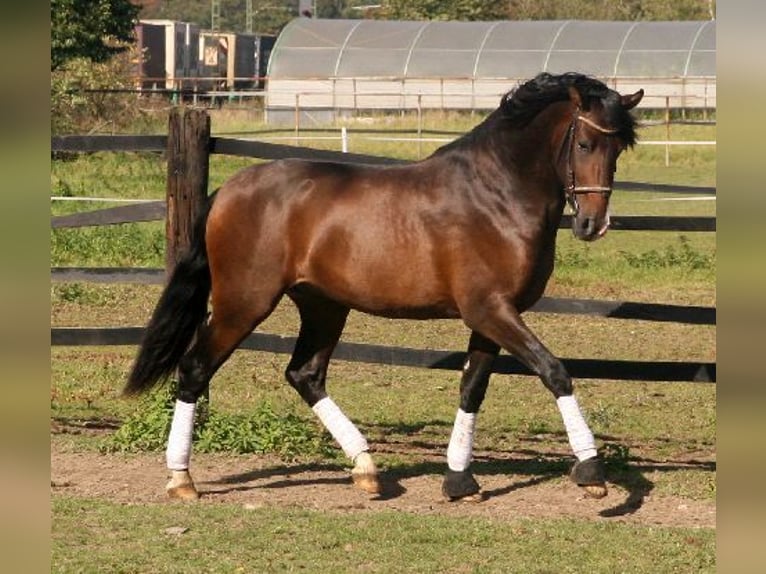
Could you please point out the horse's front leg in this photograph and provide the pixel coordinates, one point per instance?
(504, 325)
(459, 483)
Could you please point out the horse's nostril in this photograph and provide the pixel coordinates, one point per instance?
(586, 228)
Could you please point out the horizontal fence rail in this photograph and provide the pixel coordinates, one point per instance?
(89, 144)
(695, 315)
(621, 370)
(149, 211)
(248, 148)
(435, 359)
(145, 276)
(271, 151)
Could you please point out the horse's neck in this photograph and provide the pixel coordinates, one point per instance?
(526, 154)
(525, 158)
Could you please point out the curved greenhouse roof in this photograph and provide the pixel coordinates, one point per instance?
(312, 56)
(310, 48)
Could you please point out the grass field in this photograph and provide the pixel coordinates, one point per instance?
(660, 437)
(294, 540)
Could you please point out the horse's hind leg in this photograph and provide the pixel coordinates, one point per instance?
(215, 341)
(322, 322)
(459, 483)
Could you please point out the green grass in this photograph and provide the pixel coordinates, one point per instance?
(93, 536)
(625, 259)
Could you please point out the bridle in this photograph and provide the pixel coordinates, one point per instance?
(572, 190)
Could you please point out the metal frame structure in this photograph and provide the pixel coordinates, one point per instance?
(336, 65)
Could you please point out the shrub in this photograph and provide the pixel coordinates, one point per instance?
(78, 107)
(683, 256)
(259, 432)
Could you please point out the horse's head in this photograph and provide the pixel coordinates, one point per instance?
(600, 128)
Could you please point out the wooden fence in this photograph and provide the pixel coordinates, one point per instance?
(188, 146)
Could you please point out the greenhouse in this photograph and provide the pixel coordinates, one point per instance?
(336, 65)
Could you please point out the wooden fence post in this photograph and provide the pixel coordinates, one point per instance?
(188, 162)
(188, 166)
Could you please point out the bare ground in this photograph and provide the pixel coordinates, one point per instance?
(263, 481)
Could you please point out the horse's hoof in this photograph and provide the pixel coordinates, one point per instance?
(181, 486)
(461, 486)
(595, 490)
(589, 475)
(365, 474)
(366, 482)
(183, 492)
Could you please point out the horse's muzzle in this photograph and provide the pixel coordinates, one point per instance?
(589, 228)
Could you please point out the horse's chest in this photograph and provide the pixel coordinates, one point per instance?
(528, 267)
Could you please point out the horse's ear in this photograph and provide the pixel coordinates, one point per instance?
(630, 101)
(575, 97)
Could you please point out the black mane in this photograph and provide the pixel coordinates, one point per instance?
(519, 106)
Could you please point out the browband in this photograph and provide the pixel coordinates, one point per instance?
(595, 126)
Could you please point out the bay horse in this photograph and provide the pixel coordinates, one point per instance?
(469, 232)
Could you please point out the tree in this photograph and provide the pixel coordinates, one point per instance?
(269, 16)
(193, 11)
(611, 10)
(547, 9)
(444, 9)
(90, 29)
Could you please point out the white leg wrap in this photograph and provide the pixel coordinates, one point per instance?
(180, 439)
(341, 428)
(460, 449)
(580, 438)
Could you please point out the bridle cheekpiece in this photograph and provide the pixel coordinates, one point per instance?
(572, 190)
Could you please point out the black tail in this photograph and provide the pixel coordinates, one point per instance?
(180, 311)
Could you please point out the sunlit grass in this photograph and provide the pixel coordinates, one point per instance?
(89, 535)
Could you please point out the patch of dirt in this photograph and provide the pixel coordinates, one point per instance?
(262, 481)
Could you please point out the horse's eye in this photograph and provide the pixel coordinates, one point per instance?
(583, 146)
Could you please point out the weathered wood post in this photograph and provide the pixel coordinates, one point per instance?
(188, 164)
